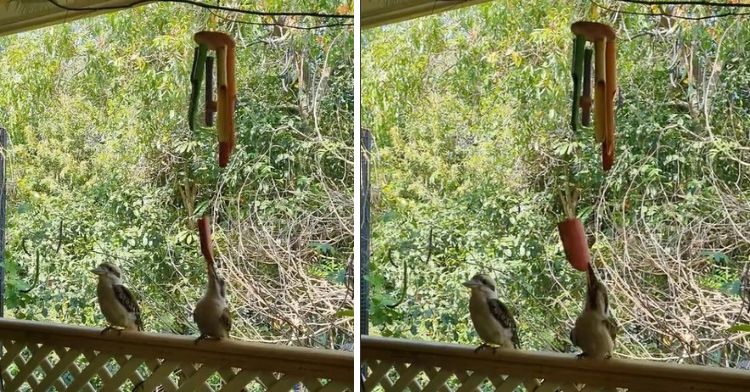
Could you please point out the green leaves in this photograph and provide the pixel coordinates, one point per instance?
(739, 328)
(470, 113)
(100, 137)
(323, 248)
(716, 256)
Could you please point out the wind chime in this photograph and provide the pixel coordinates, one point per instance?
(223, 106)
(605, 74)
(226, 88)
(572, 232)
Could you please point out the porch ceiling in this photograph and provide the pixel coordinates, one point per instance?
(382, 12)
(23, 15)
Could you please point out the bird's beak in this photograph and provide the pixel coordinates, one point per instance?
(98, 271)
(591, 276)
(471, 284)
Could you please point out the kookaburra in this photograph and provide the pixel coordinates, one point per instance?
(594, 331)
(491, 318)
(212, 312)
(115, 300)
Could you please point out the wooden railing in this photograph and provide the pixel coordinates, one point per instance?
(401, 365)
(54, 357)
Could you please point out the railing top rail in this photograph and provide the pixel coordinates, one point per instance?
(334, 365)
(637, 374)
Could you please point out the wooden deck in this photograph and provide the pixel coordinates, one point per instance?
(53, 357)
(399, 365)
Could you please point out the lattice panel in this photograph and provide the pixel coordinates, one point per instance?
(398, 377)
(38, 367)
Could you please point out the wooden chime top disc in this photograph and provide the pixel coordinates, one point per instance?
(593, 31)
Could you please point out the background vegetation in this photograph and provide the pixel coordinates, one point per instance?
(470, 111)
(96, 111)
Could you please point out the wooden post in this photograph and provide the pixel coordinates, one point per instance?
(364, 247)
(3, 144)
(364, 242)
(3, 150)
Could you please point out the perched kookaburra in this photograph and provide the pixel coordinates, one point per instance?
(594, 331)
(212, 312)
(115, 300)
(491, 318)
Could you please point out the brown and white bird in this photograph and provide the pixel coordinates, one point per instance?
(492, 320)
(115, 300)
(211, 313)
(595, 330)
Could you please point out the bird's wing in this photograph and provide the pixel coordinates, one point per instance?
(611, 325)
(225, 320)
(126, 299)
(503, 315)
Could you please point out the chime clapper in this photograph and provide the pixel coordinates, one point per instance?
(204, 233)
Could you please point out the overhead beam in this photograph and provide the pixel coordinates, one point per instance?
(23, 15)
(382, 12)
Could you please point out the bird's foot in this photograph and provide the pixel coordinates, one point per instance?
(608, 356)
(109, 327)
(206, 337)
(581, 355)
(484, 346)
(201, 337)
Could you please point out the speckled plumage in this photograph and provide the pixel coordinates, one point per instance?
(211, 313)
(595, 330)
(492, 319)
(117, 303)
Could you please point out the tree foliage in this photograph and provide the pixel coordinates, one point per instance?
(97, 115)
(470, 112)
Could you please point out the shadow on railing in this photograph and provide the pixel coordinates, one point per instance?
(400, 365)
(45, 357)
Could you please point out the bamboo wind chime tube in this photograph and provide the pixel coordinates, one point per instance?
(210, 105)
(600, 90)
(586, 94)
(196, 76)
(579, 45)
(221, 88)
(608, 147)
(226, 134)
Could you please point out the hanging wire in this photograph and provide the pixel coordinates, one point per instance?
(687, 2)
(56, 3)
(298, 27)
(660, 14)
